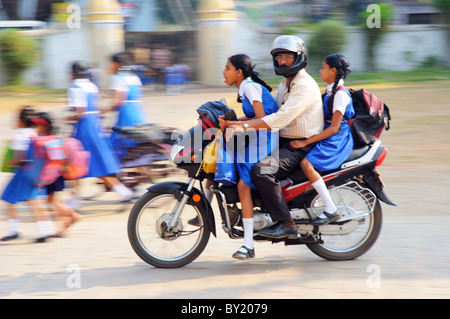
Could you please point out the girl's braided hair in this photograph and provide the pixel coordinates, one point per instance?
(341, 64)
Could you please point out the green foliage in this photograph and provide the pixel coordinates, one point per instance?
(444, 6)
(18, 52)
(375, 24)
(328, 37)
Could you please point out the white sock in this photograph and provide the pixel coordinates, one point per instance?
(208, 194)
(123, 191)
(323, 192)
(248, 233)
(73, 202)
(13, 227)
(45, 228)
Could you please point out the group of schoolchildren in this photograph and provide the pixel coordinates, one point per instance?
(312, 136)
(32, 181)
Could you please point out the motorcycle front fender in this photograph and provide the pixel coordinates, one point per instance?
(373, 180)
(179, 189)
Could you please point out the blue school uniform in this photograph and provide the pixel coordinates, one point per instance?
(261, 143)
(21, 188)
(330, 153)
(103, 161)
(130, 112)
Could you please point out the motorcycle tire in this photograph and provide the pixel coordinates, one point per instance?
(353, 253)
(156, 245)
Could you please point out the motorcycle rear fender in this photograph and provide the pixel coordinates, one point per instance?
(373, 180)
(179, 189)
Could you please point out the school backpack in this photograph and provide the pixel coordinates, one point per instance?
(49, 157)
(77, 163)
(371, 116)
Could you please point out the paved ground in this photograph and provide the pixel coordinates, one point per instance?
(410, 259)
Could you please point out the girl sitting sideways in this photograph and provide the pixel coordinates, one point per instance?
(335, 143)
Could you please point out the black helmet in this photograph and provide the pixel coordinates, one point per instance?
(291, 44)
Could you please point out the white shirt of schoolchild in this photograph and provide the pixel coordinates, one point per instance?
(77, 94)
(120, 82)
(341, 98)
(251, 90)
(22, 138)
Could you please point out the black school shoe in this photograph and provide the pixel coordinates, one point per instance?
(278, 231)
(10, 237)
(330, 217)
(250, 253)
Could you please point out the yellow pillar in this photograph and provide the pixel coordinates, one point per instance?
(106, 32)
(217, 29)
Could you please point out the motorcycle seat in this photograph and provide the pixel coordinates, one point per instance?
(299, 177)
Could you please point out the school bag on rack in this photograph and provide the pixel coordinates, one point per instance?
(371, 116)
(77, 163)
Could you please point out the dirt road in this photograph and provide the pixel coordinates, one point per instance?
(410, 259)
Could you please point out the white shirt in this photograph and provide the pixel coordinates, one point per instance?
(120, 82)
(300, 110)
(77, 93)
(22, 138)
(341, 98)
(251, 90)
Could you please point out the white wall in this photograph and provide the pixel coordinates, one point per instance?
(414, 42)
(59, 49)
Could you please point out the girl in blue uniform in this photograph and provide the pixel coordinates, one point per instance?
(335, 142)
(127, 89)
(104, 164)
(257, 102)
(21, 188)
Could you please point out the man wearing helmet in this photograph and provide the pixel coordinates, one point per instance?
(300, 115)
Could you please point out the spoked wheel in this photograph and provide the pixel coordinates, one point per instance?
(160, 245)
(358, 229)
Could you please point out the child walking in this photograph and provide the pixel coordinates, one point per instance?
(335, 143)
(21, 188)
(83, 95)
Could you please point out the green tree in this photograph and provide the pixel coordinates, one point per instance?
(375, 23)
(444, 6)
(18, 52)
(327, 37)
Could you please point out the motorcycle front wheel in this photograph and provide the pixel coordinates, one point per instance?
(156, 243)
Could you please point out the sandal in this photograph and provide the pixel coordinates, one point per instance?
(250, 253)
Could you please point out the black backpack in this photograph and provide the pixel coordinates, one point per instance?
(371, 116)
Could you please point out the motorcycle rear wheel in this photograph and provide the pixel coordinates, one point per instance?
(159, 246)
(334, 253)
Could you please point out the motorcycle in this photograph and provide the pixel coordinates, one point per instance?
(143, 152)
(161, 231)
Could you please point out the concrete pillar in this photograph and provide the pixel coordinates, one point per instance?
(105, 24)
(217, 27)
